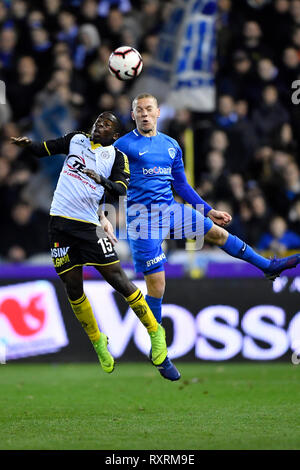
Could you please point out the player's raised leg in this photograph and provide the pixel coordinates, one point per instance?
(81, 307)
(145, 254)
(237, 248)
(117, 278)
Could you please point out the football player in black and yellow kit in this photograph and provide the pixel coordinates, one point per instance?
(92, 166)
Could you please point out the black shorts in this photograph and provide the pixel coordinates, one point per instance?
(74, 243)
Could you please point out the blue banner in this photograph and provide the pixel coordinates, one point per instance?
(193, 81)
(182, 73)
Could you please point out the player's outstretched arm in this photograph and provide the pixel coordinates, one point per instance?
(48, 147)
(188, 194)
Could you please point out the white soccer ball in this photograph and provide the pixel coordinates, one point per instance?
(125, 63)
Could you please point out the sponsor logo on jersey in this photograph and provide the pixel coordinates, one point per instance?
(76, 163)
(172, 152)
(157, 170)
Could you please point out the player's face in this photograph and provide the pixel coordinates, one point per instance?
(145, 113)
(104, 130)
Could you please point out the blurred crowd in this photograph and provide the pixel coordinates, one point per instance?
(53, 60)
(252, 155)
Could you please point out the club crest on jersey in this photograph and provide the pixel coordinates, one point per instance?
(105, 154)
(172, 152)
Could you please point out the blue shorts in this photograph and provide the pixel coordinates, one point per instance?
(148, 229)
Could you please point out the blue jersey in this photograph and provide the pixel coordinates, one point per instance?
(154, 162)
(155, 165)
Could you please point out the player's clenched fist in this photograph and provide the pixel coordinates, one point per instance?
(219, 217)
(20, 141)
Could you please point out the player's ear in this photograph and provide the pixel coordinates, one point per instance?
(116, 135)
(132, 116)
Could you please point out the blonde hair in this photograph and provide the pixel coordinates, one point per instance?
(141, 96)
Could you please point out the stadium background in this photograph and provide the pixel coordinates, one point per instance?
(241, 146)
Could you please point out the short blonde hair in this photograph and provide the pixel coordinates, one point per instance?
(141, 96)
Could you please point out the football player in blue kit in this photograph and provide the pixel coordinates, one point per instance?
(156, 165)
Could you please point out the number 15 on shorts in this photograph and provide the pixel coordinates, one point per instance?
(105, 245)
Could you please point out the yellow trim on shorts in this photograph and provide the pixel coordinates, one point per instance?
(45, 145)
(73, 218)
(88, 264)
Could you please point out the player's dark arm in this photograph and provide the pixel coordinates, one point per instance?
(116, 185)
(47, 147)
(114, 188)
(188, 194)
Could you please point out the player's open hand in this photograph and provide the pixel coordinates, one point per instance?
(20, 141)
(92, 174)
(219, 217)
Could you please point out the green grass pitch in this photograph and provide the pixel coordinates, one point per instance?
(213, 406)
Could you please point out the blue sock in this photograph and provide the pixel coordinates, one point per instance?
(155, 305)
(239, 249)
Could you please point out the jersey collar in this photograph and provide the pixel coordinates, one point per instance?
(137, 133)
(95, 146)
